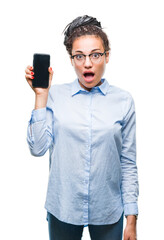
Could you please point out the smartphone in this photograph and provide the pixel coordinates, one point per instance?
(41, 63)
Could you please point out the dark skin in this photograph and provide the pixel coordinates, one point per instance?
(41, 94)
(85, 44)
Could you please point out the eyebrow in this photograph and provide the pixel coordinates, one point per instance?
(79, 51)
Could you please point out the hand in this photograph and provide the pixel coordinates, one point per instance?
(30, 75)
(130, 229)
(41, 94)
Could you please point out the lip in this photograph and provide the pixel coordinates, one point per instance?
(88, 76)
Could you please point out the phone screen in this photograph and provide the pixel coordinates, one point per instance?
(41, 63)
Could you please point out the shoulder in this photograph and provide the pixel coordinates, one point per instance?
(60, 87)
(120, 93)
(57, 90)
(122, 98)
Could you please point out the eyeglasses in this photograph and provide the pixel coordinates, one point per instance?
(94, 57)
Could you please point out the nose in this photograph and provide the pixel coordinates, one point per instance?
(88, 63)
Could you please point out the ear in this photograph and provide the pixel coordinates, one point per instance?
(107, 57)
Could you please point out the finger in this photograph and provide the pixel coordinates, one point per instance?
(29, 72)
(29, 77)
(50, 70)
(50, 73)
(30, 67)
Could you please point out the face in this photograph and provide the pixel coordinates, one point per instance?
(89, 73)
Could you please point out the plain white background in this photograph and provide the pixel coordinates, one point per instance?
(135, 30)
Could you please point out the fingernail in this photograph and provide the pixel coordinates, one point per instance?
(31, 68)
(32, 73)
(50, 68)
(32, 77)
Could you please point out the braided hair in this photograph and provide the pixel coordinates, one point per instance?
(81, 26)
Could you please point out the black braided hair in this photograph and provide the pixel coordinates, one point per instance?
(84, 25)
(78, 22)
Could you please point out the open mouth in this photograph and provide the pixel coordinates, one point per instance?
(88, 76)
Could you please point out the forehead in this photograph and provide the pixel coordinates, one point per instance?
(87, 43)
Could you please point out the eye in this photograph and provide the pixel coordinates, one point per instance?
(79, 57)
(95, 55)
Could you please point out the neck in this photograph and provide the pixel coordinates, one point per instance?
(89, 89)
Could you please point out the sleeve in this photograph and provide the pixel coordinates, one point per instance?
(129, 185)
(40, 131)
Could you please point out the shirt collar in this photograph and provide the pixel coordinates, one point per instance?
(76, 88)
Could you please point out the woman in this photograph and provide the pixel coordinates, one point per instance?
(89, 128)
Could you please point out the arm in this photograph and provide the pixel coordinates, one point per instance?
(39, 132)
(129, 185)
(39, 135)
(41, 94)
(130, 232)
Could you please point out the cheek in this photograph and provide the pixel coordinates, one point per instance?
(77, 70)
(101, 69)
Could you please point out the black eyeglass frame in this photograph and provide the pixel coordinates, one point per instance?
(101, 54)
